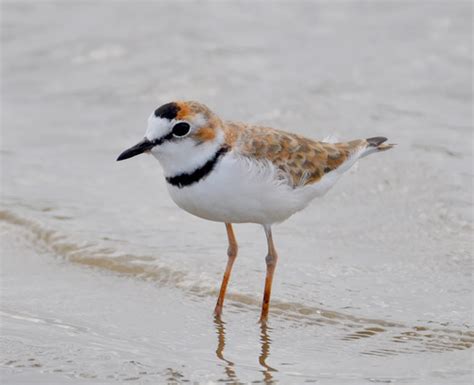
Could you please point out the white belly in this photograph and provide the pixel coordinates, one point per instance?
(239, 191)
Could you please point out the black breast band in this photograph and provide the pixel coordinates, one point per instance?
(183, 180)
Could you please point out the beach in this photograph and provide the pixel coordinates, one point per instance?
(104, 279)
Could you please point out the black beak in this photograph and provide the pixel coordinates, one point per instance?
(138, 149)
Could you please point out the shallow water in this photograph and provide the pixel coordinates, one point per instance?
(104, 279)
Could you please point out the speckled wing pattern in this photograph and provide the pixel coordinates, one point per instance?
(305, 161)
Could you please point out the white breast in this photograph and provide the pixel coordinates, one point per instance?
(240, 190)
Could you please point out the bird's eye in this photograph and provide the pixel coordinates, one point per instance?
(181, 129)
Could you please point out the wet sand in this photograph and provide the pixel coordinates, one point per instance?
(105, 280)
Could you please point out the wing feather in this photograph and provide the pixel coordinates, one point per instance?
(304, 160)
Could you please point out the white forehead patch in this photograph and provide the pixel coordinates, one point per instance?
(157, 127)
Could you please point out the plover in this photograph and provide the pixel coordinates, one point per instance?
(241, 173)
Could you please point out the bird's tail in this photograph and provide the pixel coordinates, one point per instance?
(376, 144)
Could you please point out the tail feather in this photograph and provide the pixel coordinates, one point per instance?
(376, 144)
(376, 140)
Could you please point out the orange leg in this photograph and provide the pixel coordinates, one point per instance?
(271, 260)
(232, 254)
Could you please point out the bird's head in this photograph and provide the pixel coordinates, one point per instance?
(179, 134)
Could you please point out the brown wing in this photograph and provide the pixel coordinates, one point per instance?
(304, 160)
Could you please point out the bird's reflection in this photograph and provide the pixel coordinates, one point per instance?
(229, 365)
(265, 343)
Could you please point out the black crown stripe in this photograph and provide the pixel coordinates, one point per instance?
(167, 111)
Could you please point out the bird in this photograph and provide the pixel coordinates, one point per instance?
(233, 172)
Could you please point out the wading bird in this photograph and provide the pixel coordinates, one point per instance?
(240, 173)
